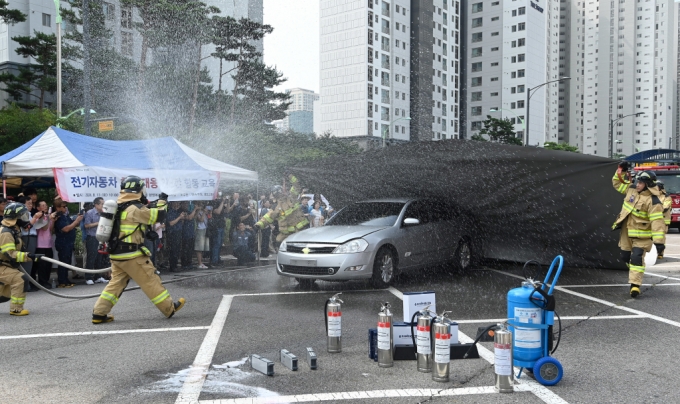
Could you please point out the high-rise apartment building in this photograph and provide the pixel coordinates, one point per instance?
(623, 62)
(388, 68)
(512, 47)
(300, 114)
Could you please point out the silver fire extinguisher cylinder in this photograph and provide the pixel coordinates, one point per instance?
(385, 337)
(502, 345)
(424, 343)
(441, 329)
(334, 323)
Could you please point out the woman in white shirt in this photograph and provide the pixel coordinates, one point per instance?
(316, 215)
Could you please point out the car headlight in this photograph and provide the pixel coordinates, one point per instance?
(352, 246)
(282, 247)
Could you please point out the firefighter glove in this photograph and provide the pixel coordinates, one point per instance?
(624, 165)
(163, 197)
(35, 257)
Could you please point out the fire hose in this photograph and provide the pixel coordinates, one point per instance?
(91, 271)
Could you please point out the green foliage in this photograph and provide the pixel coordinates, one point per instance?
(18, 126)
(39, 74)
(266, 151)
(478, 137)
(500, 131)
(560, 146)
(10, 16)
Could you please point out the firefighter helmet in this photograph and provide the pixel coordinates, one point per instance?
(16, 211)
(134, 185)
(277, 189)
(648, 178)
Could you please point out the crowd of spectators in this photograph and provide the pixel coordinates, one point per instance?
(191, 229)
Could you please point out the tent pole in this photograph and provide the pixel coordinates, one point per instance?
(4, 188)
(257, 216)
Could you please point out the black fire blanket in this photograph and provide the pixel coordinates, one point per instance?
(530, 203)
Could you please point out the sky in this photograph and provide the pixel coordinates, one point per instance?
(294, 45)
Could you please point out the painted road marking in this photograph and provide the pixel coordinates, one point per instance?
(662, 276)
(620, 285)
(605, 302)
(193, 384)
(354, 395)
(564, 318)
(533, 386)
(78, 334)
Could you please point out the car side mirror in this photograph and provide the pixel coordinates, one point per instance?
(409, 221)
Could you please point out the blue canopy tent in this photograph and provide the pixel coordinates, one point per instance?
(59, 148)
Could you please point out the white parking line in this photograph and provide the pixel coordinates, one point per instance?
(563, 318)
(354, 395)
(662, 276)
(78, 334)
(620, 285)
(537, 389)
(605, 302)
(193, 384)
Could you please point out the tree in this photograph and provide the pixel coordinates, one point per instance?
(39, 75)
(560, 146)
(18, 126)
(256, 100)
(500, 131)
(478, 137)
(10, 16)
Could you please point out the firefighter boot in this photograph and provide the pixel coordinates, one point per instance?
(97, 319)
(22, 312)
(178, 305)
(634, 290)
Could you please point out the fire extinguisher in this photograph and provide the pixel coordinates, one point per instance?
(333, 314)
(105, 226)
(385, 337)
(503, 370)
(441, 333)
(502, 348)
(421, 339)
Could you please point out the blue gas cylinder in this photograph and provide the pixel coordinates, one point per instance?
(527, 342)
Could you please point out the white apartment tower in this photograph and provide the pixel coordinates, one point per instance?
(623, 62)
(385, 61)
(512, 47)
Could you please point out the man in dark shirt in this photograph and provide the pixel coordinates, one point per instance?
(94, 259)
(173, 233)
(242, 243)
(188, 233)
(65, 229)
(216, 229)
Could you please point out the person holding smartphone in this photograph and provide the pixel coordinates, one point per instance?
(65, 230)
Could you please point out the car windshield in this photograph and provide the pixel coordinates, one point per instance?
(670, 182)
(368, 214)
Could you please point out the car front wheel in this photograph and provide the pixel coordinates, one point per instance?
(384, 269)
(463, 256)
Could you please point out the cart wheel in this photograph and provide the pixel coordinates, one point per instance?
(548, 371)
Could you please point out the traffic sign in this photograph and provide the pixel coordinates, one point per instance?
(105, 126)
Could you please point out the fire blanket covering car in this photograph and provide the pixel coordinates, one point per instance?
(531, 203)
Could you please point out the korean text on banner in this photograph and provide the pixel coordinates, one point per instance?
(83, 184)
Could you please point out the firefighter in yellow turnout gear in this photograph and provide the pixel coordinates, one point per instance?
(667, 205)
(287, 213)
(640, 220)
(13, 282)
(130, 259)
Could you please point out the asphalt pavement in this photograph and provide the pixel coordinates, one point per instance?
(613, 349)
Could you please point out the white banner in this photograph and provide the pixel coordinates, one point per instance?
(83, 184)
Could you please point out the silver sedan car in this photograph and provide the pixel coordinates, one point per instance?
(377, 240)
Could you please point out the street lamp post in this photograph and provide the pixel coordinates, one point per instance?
(384, 132)
(81, 110)
(529, 94)
(522, 121)
(611, 131)
(58, 22)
